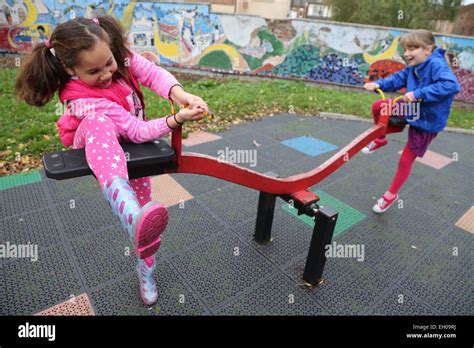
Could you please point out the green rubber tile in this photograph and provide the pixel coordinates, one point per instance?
(19, 179)
(348, 216)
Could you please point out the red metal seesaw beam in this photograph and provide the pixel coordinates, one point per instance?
(206, 165)
(194, 163)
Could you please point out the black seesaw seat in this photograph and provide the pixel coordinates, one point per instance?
(397, 121)
(142, 160)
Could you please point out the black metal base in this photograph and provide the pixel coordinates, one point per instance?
(325, 223)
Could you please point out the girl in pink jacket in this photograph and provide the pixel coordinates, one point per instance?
(88, 62)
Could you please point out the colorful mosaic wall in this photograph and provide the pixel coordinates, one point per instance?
(189, 35)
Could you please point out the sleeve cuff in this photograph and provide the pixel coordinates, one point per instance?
(169, 93)
(417, 93)
(380, 83)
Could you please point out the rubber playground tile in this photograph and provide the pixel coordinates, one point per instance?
(452, 145)
(167, 191)
(401, 302)
(290, 237)
(363, 186)
(349, 287)
(61, 190)
(188, 224)
(433, 159)
(197, 184)
(29, 287)
(221, 268)
(466, 222)
(437, 203)
(212, 148)
(20, 179)
(36, 228)
(199, 137)
(103, 256)
(309, 145)
(22, 199)
(298, 126)
(280, 156)
(393, 245)
(248, 156)
(268, 299)
(85, 215)
(233, 204)
(347, 216)
(444, 277)
(77, 305)
(454, 181)
(122, 297)
(255, 139)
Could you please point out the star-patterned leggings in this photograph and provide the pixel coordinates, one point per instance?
(100, 138)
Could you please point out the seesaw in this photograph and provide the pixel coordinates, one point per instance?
(157, 157)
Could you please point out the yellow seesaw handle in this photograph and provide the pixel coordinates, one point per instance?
(208, 114)
(382, 95)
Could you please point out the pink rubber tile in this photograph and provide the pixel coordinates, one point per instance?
(200, 137)
(167, 191)
(433, 159)
(79, 305)
(466, 222)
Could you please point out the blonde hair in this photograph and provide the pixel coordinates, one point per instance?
(418, 38)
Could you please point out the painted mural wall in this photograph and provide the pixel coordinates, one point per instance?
(189, 35)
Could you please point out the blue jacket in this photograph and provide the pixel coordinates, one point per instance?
(431, 81)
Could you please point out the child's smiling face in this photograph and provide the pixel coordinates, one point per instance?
(416, 55)
(96, 66)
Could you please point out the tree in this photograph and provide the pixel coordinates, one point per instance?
(395, 13)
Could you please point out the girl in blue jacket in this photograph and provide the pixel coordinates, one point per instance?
(430, 82)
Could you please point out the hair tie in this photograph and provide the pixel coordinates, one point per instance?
(95, 20)
(48, 45)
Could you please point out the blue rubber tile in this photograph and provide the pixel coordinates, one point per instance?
(309, 145)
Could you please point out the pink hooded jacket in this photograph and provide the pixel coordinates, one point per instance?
(117, 103)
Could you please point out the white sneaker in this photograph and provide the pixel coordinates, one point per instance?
(383, 204)
(374, 145)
